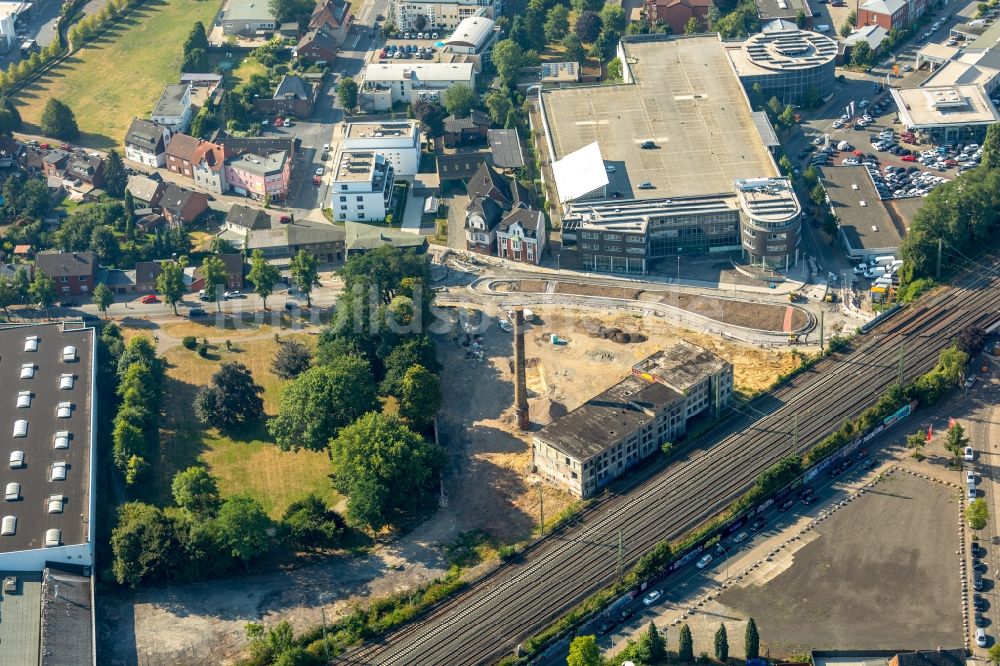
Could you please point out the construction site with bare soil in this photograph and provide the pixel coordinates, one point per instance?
(570, 356)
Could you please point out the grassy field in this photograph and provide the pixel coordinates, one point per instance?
(244, 462)
(121, 74)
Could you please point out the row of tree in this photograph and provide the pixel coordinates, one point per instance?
(204, 536)
(958, 218)
(90, 26)
(651, 648)
(136, 433)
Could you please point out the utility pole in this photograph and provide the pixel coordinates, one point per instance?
(902, 351)
(326, 645)
(937, 274)
(620, 553)
(795, 433)
(541, 511)
(821, 313)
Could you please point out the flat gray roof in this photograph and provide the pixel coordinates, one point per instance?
(67, 619)
(171, 102)
(20, 614)
(247, 9)
(681, 366)
(31, 510)
(686, 98)
(867, 225)
(607, 418)
(506, 147)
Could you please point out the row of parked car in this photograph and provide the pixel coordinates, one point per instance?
(405, 51)
(417, 35)
(901, 182)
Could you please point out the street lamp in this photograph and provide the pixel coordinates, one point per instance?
(726, 553)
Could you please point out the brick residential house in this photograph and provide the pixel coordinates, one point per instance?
(333, 15)
(887, 14)
(73, 273)
(491, 197)
(521, 235)
(181, 154)
(676, 13)
(318, 45)
(233, 264)
(182, 206)
(293, 96)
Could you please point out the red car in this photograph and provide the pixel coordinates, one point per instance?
(43, 146)
(908, 158)
(150, 298)
(279, 122)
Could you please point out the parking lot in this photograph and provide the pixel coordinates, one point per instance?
(878, 571)
(410, 46)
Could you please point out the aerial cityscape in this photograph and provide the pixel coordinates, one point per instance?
(500, 332)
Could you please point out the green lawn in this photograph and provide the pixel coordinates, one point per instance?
(121, 74)
(246, 462)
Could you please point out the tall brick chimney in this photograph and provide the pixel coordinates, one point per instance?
(520, 382)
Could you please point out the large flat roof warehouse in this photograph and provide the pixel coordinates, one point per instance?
(939, 106)
(48, 413)
(865, 224)
(686, 98)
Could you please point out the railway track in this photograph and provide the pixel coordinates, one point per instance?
(487, 621)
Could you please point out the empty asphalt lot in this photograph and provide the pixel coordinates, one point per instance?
(883, 573)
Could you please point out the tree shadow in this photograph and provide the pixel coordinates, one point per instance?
(182, 440)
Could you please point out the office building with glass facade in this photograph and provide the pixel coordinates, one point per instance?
(785, 62)
(671, 147)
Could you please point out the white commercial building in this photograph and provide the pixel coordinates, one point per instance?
(473, 36)
(440, 14)
(361, 186)
(397, 141)
(173, 110)
(386, 84)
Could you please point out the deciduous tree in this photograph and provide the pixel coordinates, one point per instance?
(584, 651)
(556, 23)
(588, 26)
(170, 282)
(305, 272)
(321, 401)
(232, 398)
(103, 298)
(213, 271)
(977, 514)
(311, 524)
(291, 359)
(347, 93)
(195, 490)
(384, 468)
(143, 544)
(991, 148)
(613, 18)
(243, 528)
(458, 100)
(420, 397)
(263, 275)
(42, 290)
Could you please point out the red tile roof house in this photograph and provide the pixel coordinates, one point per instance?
(676, 13)
(317, 45)
(72, 272)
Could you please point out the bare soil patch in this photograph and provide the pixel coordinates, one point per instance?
(761, 316)
(597, 290)
(520, 286)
